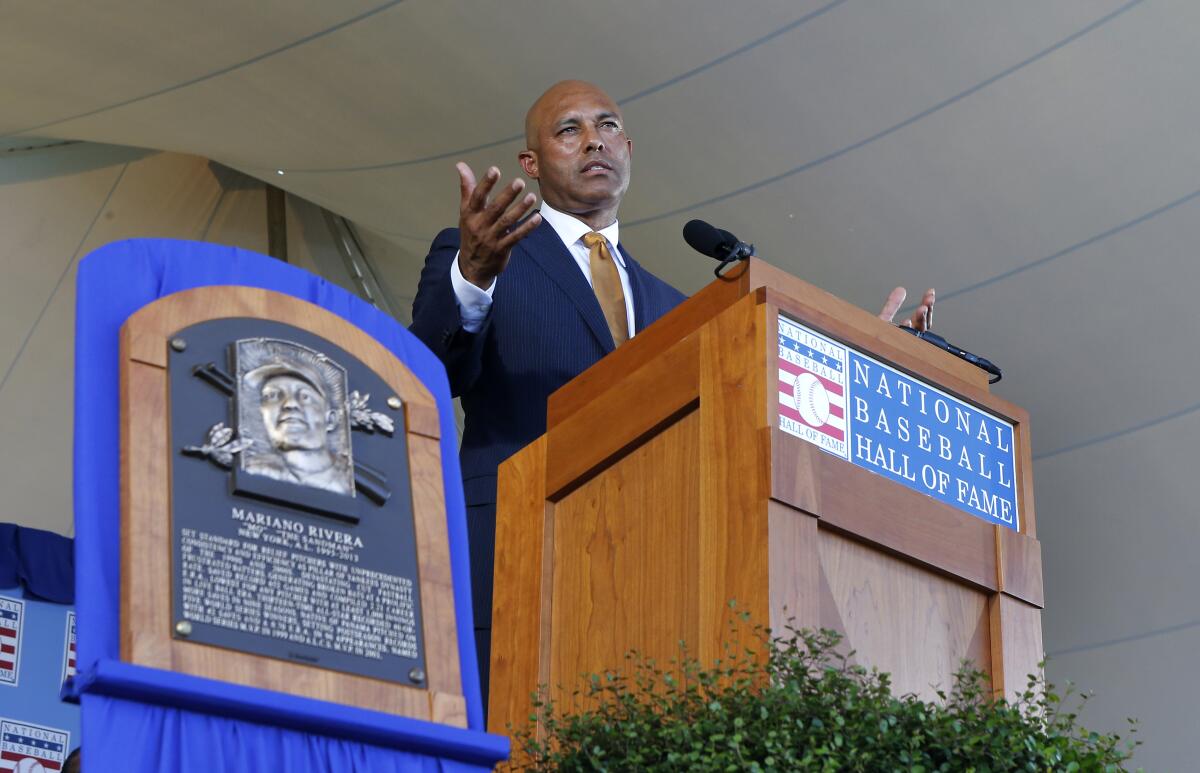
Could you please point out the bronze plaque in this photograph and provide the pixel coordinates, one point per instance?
(292, 529)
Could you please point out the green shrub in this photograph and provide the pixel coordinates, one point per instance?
(795, 703)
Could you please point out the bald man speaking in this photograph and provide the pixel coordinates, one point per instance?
(517, 304)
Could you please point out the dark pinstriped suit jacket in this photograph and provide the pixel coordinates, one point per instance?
(544, 328)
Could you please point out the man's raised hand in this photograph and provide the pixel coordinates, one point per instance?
(489, 229)
(922, 316)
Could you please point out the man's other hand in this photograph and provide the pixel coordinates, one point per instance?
(489, 229)
(922, 316)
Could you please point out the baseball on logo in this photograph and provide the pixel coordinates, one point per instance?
(812, 401)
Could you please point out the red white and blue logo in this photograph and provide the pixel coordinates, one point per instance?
(812, 388)
(68, 669)
(26, 748)
(12, 615)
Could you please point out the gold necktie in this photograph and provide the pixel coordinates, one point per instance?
(606, 283)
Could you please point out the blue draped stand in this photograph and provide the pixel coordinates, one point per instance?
(143, 719)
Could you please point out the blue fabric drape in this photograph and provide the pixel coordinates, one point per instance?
(40, 561)
(187, 742)
(113, 283)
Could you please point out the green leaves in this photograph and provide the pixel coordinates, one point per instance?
(804, 707)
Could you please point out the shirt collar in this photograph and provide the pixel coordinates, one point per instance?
(571, 229)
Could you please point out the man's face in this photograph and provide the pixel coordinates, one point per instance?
(296, 415)
(578, 153)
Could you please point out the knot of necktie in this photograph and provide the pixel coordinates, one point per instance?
(594, 238)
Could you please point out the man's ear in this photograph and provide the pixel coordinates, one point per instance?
(331, 420)
(529, 163)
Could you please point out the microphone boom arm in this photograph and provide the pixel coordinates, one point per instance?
(738, 252)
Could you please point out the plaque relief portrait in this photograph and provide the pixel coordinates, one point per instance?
(291, 492)
(292, 415)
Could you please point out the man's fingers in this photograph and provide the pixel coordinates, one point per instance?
(515, 212)
(503, 199)
(920, 319)
(479, 196)
(893, 303)
(521, 231)
(466, 181)
(922, 316)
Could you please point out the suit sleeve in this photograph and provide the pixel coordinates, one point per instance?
(436, 319)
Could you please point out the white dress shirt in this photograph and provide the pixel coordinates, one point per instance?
(474, 303)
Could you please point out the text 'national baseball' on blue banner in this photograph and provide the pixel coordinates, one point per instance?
(870, 414)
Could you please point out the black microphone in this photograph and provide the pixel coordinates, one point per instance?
(980, 362)
(716, 243)
(708, 239)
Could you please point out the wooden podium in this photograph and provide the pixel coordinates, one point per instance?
(664, 488)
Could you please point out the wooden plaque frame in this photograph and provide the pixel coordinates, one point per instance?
(146, 625)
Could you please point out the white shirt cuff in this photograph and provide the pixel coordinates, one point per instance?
(473, 302)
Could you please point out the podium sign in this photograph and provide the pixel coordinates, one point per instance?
(873, 415)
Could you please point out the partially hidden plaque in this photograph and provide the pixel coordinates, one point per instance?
(292, 531)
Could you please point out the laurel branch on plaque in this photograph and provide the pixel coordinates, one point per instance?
(220, 446)
(362, 417)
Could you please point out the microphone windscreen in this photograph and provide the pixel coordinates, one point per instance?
(704, 238)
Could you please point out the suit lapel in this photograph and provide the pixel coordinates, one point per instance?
(547, 251)
(638, 287)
